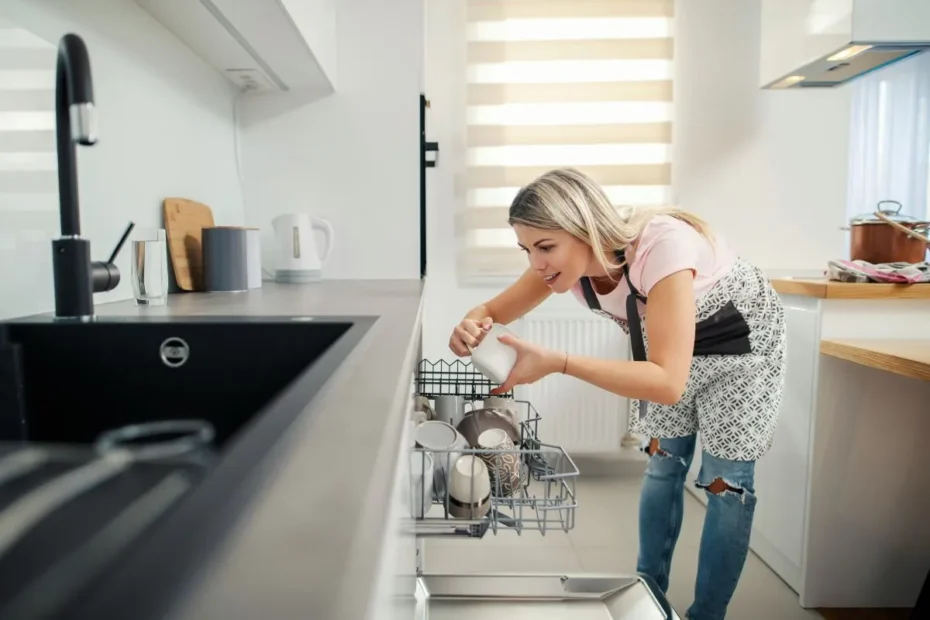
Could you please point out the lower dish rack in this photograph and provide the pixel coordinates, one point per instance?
(529, 485)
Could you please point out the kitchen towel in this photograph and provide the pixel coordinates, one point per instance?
(843, 270)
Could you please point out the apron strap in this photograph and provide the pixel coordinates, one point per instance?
(589, 295)
(632, 310)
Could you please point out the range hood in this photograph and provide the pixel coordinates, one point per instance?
(828, 43)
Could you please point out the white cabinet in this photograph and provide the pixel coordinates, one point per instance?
(782, 476)
(260, 45)
(802, 38)
(796, 32)
(396, 587)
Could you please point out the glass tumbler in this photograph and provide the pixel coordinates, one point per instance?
(150, 267)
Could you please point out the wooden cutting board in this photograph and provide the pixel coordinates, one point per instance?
(184, 223)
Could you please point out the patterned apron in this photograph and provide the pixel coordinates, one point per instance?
(734, 389)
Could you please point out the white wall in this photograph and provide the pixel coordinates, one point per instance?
(351, 158)
(767, 169)
(166, 129)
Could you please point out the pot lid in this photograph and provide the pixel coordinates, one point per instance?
(889, 208)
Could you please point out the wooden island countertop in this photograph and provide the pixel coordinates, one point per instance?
(829, 289)
(909, 358)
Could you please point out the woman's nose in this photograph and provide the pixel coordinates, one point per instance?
(538, 263)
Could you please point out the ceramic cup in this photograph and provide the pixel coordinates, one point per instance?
(469, 488)
(476, 422)
(421, 403)
(451, 409)
(503, 467)
(506, 405)
(493, 358)
(421, 483)
(445, 445)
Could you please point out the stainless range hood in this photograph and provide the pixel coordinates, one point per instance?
(828, 43)
(847, 64)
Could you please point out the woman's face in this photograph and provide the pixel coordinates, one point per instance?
(558, 257)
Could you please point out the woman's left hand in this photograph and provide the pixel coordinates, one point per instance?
(533, 363)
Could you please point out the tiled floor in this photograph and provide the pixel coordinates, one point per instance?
(605, 540)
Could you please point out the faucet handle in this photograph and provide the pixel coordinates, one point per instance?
(122, 240)
(105, 275)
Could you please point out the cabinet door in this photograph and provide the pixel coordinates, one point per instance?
(782, 476)
(395, 597)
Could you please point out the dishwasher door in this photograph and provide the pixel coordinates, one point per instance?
(542, 597)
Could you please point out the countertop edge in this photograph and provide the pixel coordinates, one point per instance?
(310, 531)
(363, 565)
(859, 352)
(829, 289)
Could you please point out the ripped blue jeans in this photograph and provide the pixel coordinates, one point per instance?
(727, 524)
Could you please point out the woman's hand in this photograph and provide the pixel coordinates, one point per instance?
(533, 363)
(467, 334)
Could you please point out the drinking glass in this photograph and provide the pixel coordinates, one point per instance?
(150, 267)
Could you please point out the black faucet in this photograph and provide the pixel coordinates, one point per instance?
(77, 278)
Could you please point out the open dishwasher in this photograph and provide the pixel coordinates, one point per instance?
(495, 474)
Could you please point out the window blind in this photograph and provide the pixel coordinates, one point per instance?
(28, 161)
(557, 83)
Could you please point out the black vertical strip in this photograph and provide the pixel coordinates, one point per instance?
(636, 329)
(422, 185)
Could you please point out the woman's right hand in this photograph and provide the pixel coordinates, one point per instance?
(467, 334)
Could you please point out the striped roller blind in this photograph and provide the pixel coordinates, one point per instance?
(553, 83)
(28, 164)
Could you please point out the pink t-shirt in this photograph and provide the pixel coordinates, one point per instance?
(668, 245)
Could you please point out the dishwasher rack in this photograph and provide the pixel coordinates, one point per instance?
(543, 501)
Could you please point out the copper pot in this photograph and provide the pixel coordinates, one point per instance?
(876, 241)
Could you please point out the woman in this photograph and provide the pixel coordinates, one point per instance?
(708, 338)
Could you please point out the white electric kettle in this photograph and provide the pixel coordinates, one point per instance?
(299, 259)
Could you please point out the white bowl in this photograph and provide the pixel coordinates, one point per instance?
(493, 358)
(445, 444)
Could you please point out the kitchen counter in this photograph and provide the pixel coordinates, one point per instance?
(867, 458)
(909, 358)
(841, 337)
(309, 544)
(829, 289)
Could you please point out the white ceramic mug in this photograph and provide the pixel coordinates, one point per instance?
(469, 488)
(493, 358)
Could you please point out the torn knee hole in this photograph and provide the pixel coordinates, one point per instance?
(718, 486)
(655, 451)
(653, 448)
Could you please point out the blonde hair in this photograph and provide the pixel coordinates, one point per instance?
(565, 199)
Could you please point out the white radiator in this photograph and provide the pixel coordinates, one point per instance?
(578, 416)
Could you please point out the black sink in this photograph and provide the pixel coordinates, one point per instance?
(79, 380)
(68, 382)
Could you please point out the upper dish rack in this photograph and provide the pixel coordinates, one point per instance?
(456, 378)
(544, 500)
